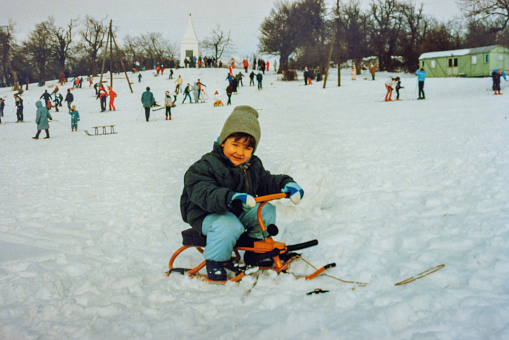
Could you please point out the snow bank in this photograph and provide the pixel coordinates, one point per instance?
(88, 224)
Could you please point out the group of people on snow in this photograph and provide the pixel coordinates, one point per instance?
(197, 90)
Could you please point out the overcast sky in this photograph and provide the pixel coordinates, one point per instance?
(241, 17)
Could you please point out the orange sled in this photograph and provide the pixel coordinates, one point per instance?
(282, 255)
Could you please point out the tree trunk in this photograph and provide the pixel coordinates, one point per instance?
(283, 63)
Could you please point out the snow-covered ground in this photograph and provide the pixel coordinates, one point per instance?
(88, 224)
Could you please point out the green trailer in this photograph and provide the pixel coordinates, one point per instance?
(469, 62)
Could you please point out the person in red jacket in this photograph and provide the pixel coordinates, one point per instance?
(112, 94)
(62, 78)
(102, 94)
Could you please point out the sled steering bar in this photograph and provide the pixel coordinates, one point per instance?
(271, 197)
(264, 200)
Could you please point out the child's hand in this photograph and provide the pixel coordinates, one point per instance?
(295, 191)
(247, 200)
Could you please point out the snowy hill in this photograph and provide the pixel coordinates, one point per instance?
(88, 224)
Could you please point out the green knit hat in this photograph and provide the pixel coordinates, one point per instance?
(243, 119)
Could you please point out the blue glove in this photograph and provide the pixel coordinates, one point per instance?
(247, 200)
(295, 191)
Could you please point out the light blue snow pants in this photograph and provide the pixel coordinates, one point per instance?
(224, 229)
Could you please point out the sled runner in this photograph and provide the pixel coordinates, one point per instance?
(266, 254)
(163, 108)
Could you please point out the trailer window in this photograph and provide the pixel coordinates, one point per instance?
(453, 62)
(474, 59)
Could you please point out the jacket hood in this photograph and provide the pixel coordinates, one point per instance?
(38, 104)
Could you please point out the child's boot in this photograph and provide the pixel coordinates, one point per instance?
(217, 271)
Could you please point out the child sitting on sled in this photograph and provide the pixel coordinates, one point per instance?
(217, 99)
(219, 193)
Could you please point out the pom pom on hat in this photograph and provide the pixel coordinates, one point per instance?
(242, 119)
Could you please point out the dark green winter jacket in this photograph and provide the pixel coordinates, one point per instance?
(147, 99)
(210, 183)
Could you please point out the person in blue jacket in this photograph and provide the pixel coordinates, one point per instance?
(42, 120)
(75, 117)
(495, 76)
(421, 75)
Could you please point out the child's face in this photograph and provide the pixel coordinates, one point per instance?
(238, 151)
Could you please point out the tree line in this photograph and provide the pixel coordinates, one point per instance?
(75, 49)
(396, 32)
(79, 47)
(301, 33)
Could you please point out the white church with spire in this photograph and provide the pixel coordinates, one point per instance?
(190, 45)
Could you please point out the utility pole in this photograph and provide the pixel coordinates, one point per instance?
(110, 40)
(329, 59)
(338, 18)
(335, 39)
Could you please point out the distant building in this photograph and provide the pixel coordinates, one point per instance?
(469, 62)
(190, 45)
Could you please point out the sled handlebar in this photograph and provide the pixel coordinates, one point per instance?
(271, 197)
(264, 200)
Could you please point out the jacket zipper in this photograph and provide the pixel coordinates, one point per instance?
(244, 169)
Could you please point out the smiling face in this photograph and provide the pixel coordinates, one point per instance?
(238, 150)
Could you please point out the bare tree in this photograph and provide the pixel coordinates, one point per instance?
(131, 47)
(93, 36)
(6, 44)
(442, 36)
(414, 29)
(62, 43)
(385, 30)
(354, 29)
(218, 43)
(38, 47)
(495, 12)
(315, 34)
(280, 33)
(155, 47)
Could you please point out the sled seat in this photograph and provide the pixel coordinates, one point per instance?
(112, 129)
(191, 237)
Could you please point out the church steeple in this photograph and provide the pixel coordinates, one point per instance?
(189, 45)
(190, 35)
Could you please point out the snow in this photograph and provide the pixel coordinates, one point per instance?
(88, 224)
(450, 53)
